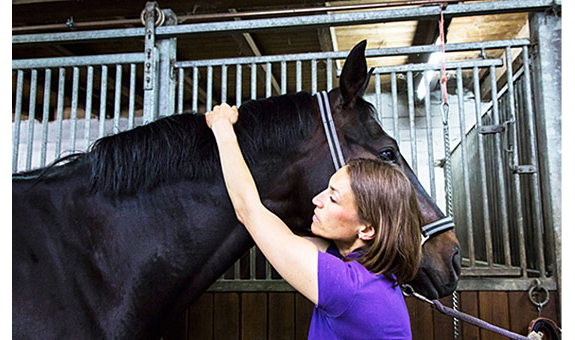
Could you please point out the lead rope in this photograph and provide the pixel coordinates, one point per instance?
(446, 143)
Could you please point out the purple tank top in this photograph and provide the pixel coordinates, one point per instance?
(356, 304)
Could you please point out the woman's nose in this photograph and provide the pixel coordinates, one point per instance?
(317, 201)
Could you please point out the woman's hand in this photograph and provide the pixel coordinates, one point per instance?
(222, 113)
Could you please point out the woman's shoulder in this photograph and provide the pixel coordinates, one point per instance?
(321, 243)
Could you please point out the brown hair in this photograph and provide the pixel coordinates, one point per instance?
(386, 201)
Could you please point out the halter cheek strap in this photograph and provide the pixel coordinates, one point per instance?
(329, 128)
(428, 230)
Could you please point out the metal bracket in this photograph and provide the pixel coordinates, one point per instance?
(491, 129)
(524, 169)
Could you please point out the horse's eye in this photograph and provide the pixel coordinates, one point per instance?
(387, 155)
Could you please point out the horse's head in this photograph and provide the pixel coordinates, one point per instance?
(361, 136)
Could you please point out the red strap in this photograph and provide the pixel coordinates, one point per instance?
(442, 39)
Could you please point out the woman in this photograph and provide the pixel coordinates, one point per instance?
(370, 214)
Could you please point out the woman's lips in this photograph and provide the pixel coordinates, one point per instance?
(314, 218)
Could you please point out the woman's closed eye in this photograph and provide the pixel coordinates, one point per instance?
(332, 199)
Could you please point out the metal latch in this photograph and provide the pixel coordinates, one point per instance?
(524, 169)
(491, 129)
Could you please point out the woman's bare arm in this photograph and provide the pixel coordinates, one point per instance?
(294, 257)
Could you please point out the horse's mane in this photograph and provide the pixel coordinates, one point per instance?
(183, 147)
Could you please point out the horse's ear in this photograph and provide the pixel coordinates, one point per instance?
(354, 76)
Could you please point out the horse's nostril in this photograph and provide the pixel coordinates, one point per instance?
(456, 260)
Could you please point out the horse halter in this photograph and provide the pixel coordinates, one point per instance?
(428, 230)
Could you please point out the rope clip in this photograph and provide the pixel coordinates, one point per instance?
(533, 293)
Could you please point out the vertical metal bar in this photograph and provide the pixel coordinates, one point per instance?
(482, 170)
(465, 167)
(284, 77)
(132, 96)
(411, 108)
(17, 117)
(88, 113)
(74, 108)
(516, 179)
(394, 106)
(429, 138)
(268, 79)
(499, 168)
(103, 92)
(298, 76)
(237, 272)
(209, 89)
(329, 73)
(195, 89)
(117, 98)
(253, 263)
(224, 86)
(313, 76)
(253, 84)
(180, 90)
(59, 110)
(238, 85)
(45, 115)
(378, 98)
(268, 270)
(538, 215)
(31, 118)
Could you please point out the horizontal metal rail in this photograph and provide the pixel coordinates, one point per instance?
(337, 19)
(104, 59)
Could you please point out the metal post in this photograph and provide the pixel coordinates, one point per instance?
(88, 111)
(412, 136)
(429, 127)
(31, 115)
(74, 113)
(150, 64)
(45, 115)
(545, 31)
(17, 117)
(166, 48)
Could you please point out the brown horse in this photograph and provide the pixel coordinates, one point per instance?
(117, 242)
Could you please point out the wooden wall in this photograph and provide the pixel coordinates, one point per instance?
(286, 315)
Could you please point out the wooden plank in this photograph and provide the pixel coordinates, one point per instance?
(281, 314)
(522, 311)
(468, 304)
(421, 317)
(201, 318)
(303, 312)
(494, 308)
(254, 315)
(226, 316)
(443, 324)
(177, 330)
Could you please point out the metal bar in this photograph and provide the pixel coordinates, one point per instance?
(181, 90)
(117, 98)
(59, 111)
(298, 76)
(103, 92)
(268, 79)
(378, 99)
(17, 118)
(383, 52)
(283, 77)
(104, 59)
(195, 90)
(224, 84)
(329, 74)
(516, 179)
(411, 108)
(253, 83)
(332, 19)
(428, 128)
(435, 67)
(31, 118)
(313, 76)
(538, 215)
(482, 170)
(209, 89)
(268, 270)
(88, 114)
(237, 268)
(465, 167)
(253, 263)
(500, 175)
(45, 116)
(132, 96)
(238, 85)
(394, 106)
(74, 108)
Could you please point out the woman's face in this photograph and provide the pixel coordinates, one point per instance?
(336, 216)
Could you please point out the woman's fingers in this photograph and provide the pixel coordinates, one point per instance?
(224, 112)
